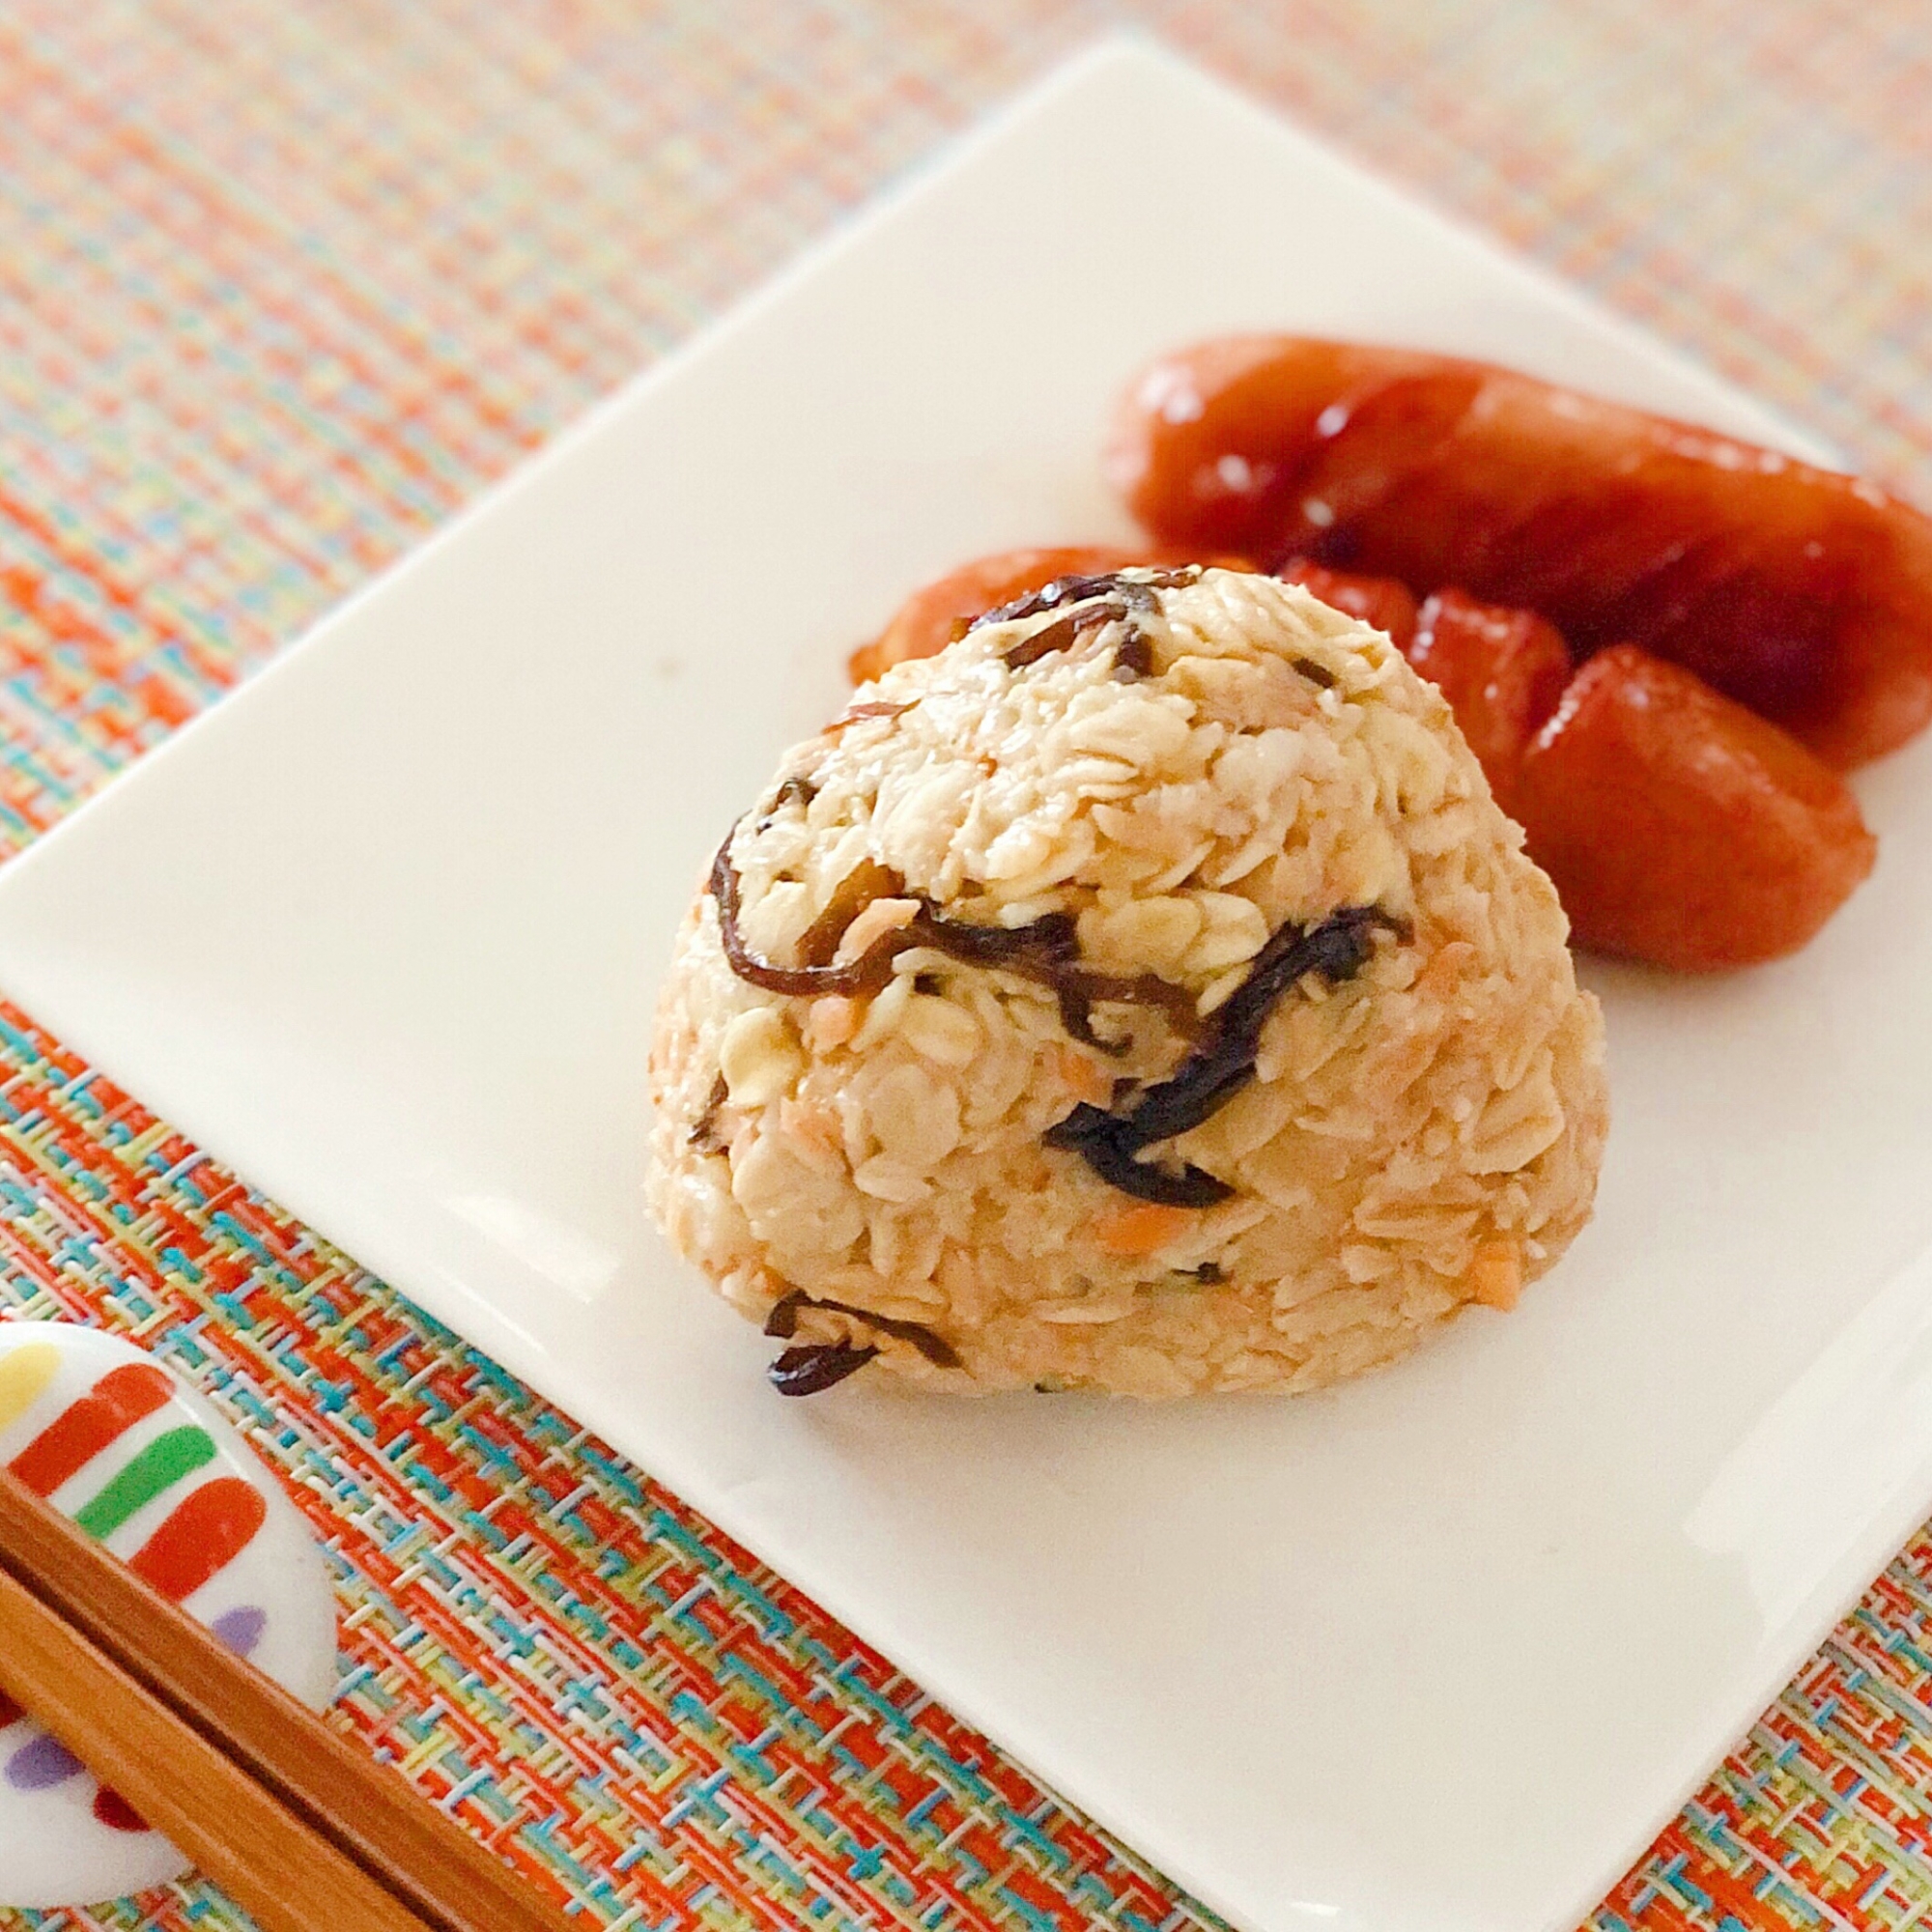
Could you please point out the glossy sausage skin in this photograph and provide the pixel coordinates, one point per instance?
(1803, 594)
(1680, 828)
(1381, 600)
(1503, 673)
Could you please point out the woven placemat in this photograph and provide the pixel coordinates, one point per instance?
(282, 282)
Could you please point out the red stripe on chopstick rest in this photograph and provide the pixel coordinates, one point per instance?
(205, 1532)
(82, 1430)
(202, 1536)
(116, 1813)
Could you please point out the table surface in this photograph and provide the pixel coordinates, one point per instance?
(284, 282)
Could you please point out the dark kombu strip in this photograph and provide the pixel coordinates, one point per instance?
(1218, 1068)
(1047, 952)
(813, 1366)
(782, 1324)
(703, 1136)
(1090, 601)
(1132, 590)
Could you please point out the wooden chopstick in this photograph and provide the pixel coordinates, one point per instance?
(146, 1661)
(289, 1879)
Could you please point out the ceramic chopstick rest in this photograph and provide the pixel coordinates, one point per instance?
(115, 1442)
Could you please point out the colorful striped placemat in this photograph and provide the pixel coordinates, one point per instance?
(282, 282)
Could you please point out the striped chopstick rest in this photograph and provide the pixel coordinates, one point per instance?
(307, 1831)
(100, 1658)
(134, 1457)
(206, 1530)
(287, 1878)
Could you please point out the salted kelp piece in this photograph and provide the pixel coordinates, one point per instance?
(1046, 950)
(1132, 589)
(1090, 604)
(1216, 1070)
(781, 1324)
(813, 1366)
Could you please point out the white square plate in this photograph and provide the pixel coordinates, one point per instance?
(1436, 1651)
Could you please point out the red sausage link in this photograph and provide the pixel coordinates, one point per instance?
(1503, 673)
(1381, 600)
(1802, 594)
(1679, 827)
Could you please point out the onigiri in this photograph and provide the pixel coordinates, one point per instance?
(1144, 995)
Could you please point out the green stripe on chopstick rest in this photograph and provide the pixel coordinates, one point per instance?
(166, 1459)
